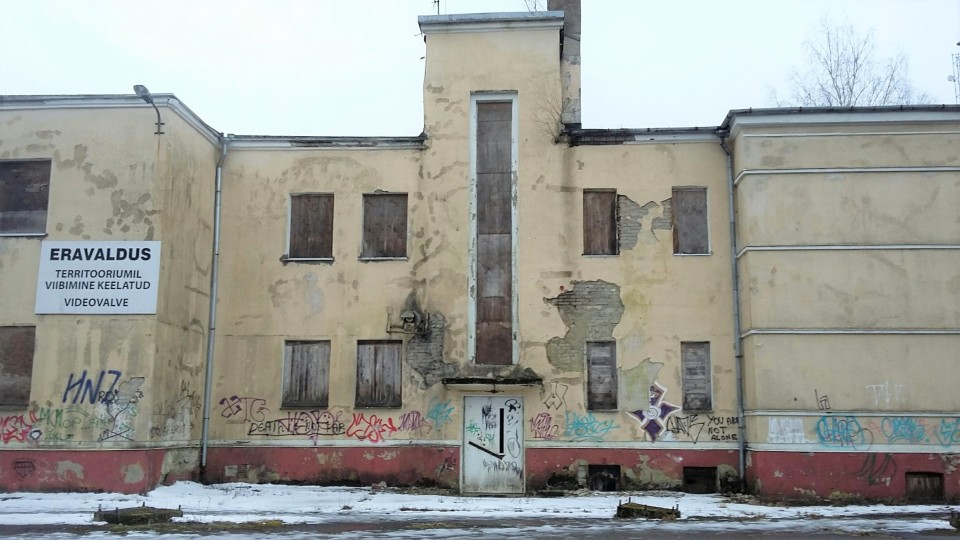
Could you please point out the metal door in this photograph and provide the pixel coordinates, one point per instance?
(492, 445)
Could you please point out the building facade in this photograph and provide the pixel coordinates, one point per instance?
(503, 304)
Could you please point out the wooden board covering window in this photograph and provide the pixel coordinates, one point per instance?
(599, 222)
(384, 225)
(690, 234)
(494, 332)
(311, 226)
(601, 375)
(306, 374)
(16, 364)
(24, 193)
(378, 374)
(695, 368)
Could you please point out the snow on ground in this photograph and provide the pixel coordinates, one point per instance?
(313, 504)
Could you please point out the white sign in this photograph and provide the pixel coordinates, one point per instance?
(98, 277)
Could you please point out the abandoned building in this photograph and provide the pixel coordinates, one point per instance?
(505, 303)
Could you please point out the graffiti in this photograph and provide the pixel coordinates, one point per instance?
(948, 432)
(84, 389)
(556, 398)
(543, 427)
(587, 428)
(884, 394)
(689, 426)
(175, 418)
(652, 419)
(472, 428)
(903, 429)
(24, 468)
(116, 414)
(875, 472)
(300, 423)
(18, 428)
(503, 466)
(370, 428)
(719, 425)
(439, 413)
(843, 431)
(823, 402)
(243, 409)
(414, 421)
(445, 466)
(786, 431)
(512, 405)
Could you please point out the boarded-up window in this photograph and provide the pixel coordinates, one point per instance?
(16, 364)
(494, 166)
(384, 226)
(306, 374)
(600, 222)
(378, 374)
(695, 366)
(311, 226)
(24, 193)
(601, 375)
(690, 234)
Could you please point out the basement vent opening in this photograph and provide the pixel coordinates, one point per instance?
(603, 477)
(924, 487)
(700, 479)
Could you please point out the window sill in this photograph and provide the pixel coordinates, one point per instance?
(694, 254)
(23, 235)
(601, 255)
(603, 410)
(302, 406)
(378, 259)
(358, 406)
(306, 260)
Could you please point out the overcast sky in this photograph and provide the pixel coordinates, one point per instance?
(355, 67)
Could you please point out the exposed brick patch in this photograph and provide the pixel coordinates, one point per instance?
(591, 310)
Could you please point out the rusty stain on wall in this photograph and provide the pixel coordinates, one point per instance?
(590, 310)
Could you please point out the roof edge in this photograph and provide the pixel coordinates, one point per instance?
(739, 118)
(490, 22)
(283, 142)
(101, 101)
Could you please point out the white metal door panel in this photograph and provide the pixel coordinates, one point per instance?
(492, 445)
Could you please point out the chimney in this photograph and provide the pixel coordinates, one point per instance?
(569, 60)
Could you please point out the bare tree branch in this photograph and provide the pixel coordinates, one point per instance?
(843, 71)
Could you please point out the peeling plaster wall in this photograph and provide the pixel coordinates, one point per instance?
(590, 310)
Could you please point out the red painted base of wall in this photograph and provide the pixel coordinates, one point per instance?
(123, 471)
(640, 469)
(854, 475)
(395, 465)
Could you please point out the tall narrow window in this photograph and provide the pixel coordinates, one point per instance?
(601, 375)
(311, 226)
(695, 368)
(690, 232)
(384, 226)
(599, 222)
(378, 374)
(24, 194)
(306, 374)
(494, 163)
(16, 364)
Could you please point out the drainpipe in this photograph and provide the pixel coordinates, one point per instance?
(212, 322)
(737, 345)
